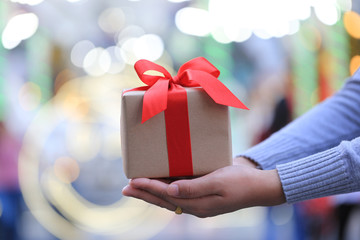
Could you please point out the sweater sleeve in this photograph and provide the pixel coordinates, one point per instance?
(323, 127)
(318, 154)
(333, 171)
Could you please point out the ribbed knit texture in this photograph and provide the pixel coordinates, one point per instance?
(307, 153)
(320, 175)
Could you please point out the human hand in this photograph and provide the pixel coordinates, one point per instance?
(225, 190)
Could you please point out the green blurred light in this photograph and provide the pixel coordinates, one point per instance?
(38, 51)
(304, 66)
(305, 60)
(339, 47)
(220, 55)
(3, 14)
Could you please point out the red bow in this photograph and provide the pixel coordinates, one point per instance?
(194, 73)
(166, 93)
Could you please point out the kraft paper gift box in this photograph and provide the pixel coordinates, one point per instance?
(145, 146)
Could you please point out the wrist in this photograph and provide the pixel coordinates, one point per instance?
(272, 188)
(245, 161)
(266, 188)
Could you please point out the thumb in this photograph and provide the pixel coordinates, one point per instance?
(193, 188)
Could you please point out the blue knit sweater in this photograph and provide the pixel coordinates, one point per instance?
(318, 154)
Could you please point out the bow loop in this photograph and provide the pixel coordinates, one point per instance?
(200, 64)
(142, 66)
(194, 73)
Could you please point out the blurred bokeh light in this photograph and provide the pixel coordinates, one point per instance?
(352, 24)
(18, 28)
(65, 63)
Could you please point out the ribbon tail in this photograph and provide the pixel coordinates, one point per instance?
(216, 89)
(155, 100)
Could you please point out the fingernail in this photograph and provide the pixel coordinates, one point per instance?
(124, 190)
(173, 190)
(132, 182)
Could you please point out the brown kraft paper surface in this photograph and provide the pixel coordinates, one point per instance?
(144, 145)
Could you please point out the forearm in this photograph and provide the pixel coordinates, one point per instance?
(323, 127)
(330, 172)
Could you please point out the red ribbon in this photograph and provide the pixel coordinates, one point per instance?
(166, 93)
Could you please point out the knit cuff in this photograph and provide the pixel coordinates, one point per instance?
(322, 174)
(277, 149)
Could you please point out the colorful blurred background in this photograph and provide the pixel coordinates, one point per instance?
(64, 63)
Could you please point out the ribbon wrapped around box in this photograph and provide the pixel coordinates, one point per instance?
(176, 126)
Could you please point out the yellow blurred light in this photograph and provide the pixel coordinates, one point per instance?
(354, 64)
(73, 105)
(66, 169)
(114, 218)
(193, 21)
(83, 141)
(19, 27)
(29, 96)
(57, 206)
(352, 24)
(112, 20)
(63, 77)
(154, 73)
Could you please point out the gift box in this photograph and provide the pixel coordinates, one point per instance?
(176, 126)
